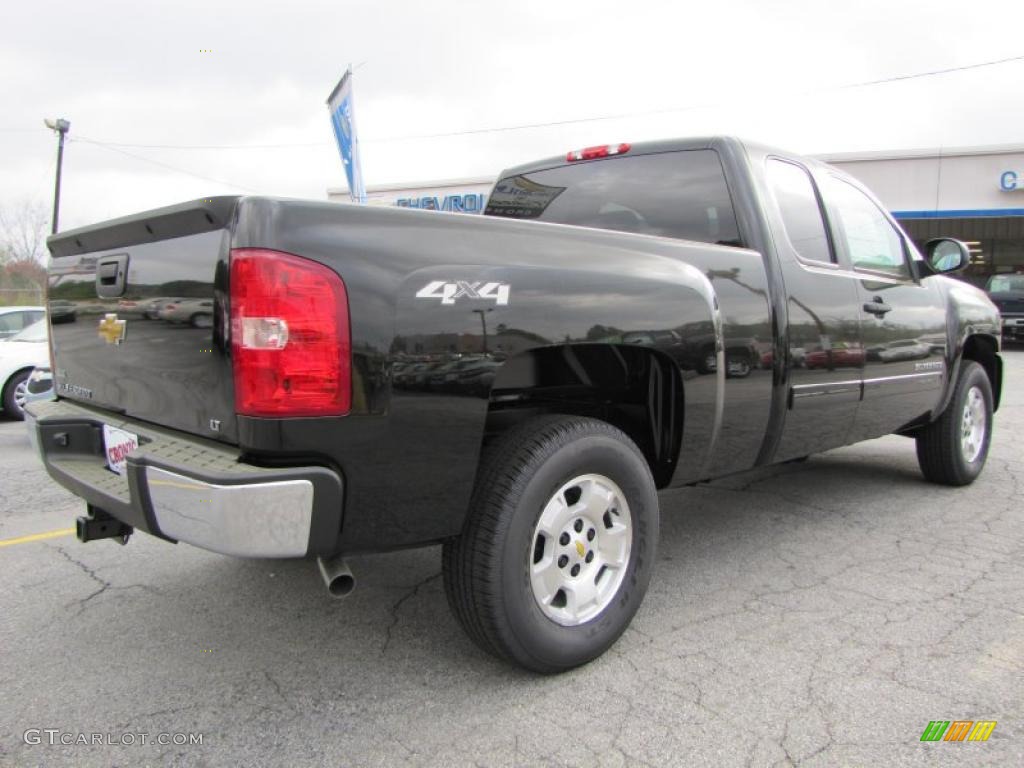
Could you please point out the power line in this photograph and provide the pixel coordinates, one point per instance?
(556, 123)
(112, 148)
(204, 146)
(934, 72)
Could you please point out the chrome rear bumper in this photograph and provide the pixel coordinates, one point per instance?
(184, 489)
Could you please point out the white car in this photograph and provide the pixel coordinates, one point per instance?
(19, 354)
(195, 312)
(15, 319)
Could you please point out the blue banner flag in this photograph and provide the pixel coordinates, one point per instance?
(340, 105)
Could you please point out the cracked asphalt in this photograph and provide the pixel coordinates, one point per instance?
(814, 614)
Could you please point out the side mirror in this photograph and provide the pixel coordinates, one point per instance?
(945, 255)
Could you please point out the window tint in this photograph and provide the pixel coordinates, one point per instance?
(801, 214)
(1005, 283)
(870, 238)
(10, 322)
(672, 194)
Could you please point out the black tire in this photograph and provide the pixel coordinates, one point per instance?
(941, 453)
(487, 569)
(737, 366)
(11, 408)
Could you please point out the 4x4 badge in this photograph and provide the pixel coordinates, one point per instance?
(111, 329)
(448, 292)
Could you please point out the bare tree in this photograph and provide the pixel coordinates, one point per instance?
(23, 229)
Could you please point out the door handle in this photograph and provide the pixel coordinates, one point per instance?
(877, 307)
(111, 276)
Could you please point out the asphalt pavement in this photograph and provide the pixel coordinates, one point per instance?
(813, 614)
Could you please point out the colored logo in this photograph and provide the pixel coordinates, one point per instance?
(958, 730)
(112, 329)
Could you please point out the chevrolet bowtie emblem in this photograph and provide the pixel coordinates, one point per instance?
(580, 548)
(112, 329)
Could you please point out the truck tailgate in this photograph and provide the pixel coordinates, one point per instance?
(145, 335)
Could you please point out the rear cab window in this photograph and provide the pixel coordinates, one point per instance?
(681, 194)
(800, 210)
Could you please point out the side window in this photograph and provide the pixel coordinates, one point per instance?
(871, 240)
(11, 322)
(801, 213)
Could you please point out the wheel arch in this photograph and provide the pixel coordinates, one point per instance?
(636, 389)
(984, 350)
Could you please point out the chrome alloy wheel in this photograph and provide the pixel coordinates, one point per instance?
(581, 548)
(973, 425)
(21, 395)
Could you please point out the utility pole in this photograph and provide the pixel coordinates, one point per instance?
(61, 126)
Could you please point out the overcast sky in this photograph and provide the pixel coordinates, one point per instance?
(136, 73)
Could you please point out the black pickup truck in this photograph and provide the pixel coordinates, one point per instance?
(278, 378)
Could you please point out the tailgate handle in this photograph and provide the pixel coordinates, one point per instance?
(111, 276)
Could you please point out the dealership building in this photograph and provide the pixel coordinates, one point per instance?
(975, 194)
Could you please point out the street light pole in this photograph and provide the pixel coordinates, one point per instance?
(61, 126)
(483, 324)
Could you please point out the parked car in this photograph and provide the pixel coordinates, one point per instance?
(196, 312)
(412, 376)
(289, 440)
(19, 355)
(1007, 293)
(13, 320)
(840, 355)
(62, 311)
(150, 308)
(448, 377)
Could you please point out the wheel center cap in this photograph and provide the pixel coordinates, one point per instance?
(580, 550)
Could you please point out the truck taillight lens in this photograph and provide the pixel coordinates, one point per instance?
(290, 341)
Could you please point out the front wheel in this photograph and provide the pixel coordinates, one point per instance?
(558, 547)
(953, 448)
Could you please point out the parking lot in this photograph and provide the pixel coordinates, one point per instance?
(815, 614)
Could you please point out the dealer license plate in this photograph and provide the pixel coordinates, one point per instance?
(118, 444)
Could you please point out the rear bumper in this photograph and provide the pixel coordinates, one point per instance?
(184, 489)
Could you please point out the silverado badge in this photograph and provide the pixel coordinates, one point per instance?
(112, 329)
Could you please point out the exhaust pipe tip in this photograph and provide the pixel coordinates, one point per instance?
(337, 576)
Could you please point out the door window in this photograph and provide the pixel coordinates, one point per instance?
(870, 238)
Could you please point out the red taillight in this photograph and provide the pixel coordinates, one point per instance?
(592, 153)
(290, 340)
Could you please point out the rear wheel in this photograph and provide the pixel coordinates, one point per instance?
(953, 448)
(15, 392)
(557, 551)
